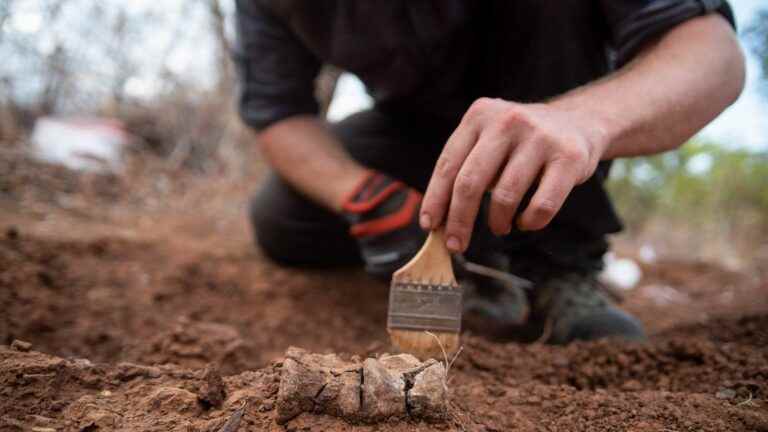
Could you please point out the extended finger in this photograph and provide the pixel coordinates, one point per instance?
(438, 195)
(556, 183)
(478, 172)
(519, 174)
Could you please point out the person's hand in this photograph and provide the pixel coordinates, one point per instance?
(506, 147)
(383, 217)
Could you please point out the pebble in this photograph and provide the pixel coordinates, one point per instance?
(428, 398)
(632, 385)
(21, 346)
(726, 393)
(496, 391)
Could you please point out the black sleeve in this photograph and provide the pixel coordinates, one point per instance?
(275, 71)
(634, 22)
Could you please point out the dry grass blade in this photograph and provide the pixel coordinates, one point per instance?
(446, 362)
(749, 401)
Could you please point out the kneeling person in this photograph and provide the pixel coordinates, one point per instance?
(497, 120)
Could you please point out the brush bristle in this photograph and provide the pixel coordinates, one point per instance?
(425, 345)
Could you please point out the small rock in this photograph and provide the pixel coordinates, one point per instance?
(496, 391)
(383, 392)
(726, 393)
(173, 399)
(82, 363)
(632, 385)
(99, 419)
(212, 393)
(21, 346)
(341, 395)
(533, 400)
(427, 398)
(298, 387)
(128, 371)
(318, 383)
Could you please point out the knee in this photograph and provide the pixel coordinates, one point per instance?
(293, 232)
(266, 230)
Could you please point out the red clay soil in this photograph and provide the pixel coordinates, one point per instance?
(125, 308)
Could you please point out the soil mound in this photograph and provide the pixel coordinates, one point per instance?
(717, 383)
(112, 320)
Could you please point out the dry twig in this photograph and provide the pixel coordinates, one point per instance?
(234, 421)
(446, 379)
(446, 362)
(749, 401)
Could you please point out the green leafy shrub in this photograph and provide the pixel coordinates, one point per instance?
(703, 185)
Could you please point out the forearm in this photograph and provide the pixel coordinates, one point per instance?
(666, 94)
(304, 153)
(674, 87)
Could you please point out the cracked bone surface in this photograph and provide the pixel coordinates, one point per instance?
(370, 391)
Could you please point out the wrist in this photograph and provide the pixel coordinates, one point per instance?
(599, 127)
(602, 133)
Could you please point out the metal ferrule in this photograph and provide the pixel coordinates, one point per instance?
(425, 307)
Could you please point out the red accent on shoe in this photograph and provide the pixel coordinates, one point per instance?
(399, 219)
(373, 202)
(368, 191)
(369, 174)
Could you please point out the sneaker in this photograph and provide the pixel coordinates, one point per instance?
(573, 307)
(493, 298)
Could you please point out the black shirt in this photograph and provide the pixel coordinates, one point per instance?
(434, 57)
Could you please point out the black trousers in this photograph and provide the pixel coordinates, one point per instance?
(293, 230)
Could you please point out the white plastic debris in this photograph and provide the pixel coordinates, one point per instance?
(623, 273)
(647, 254)
(87, 144)
(349, 97)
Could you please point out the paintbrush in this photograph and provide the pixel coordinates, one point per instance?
(425, 307)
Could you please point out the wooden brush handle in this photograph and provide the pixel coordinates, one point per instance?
(432, 264)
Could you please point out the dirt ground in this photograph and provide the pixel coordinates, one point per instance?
(134, 294)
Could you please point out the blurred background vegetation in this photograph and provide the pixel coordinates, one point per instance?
(162, 68)
(699, 182)
(704, 201)
(709, 198)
